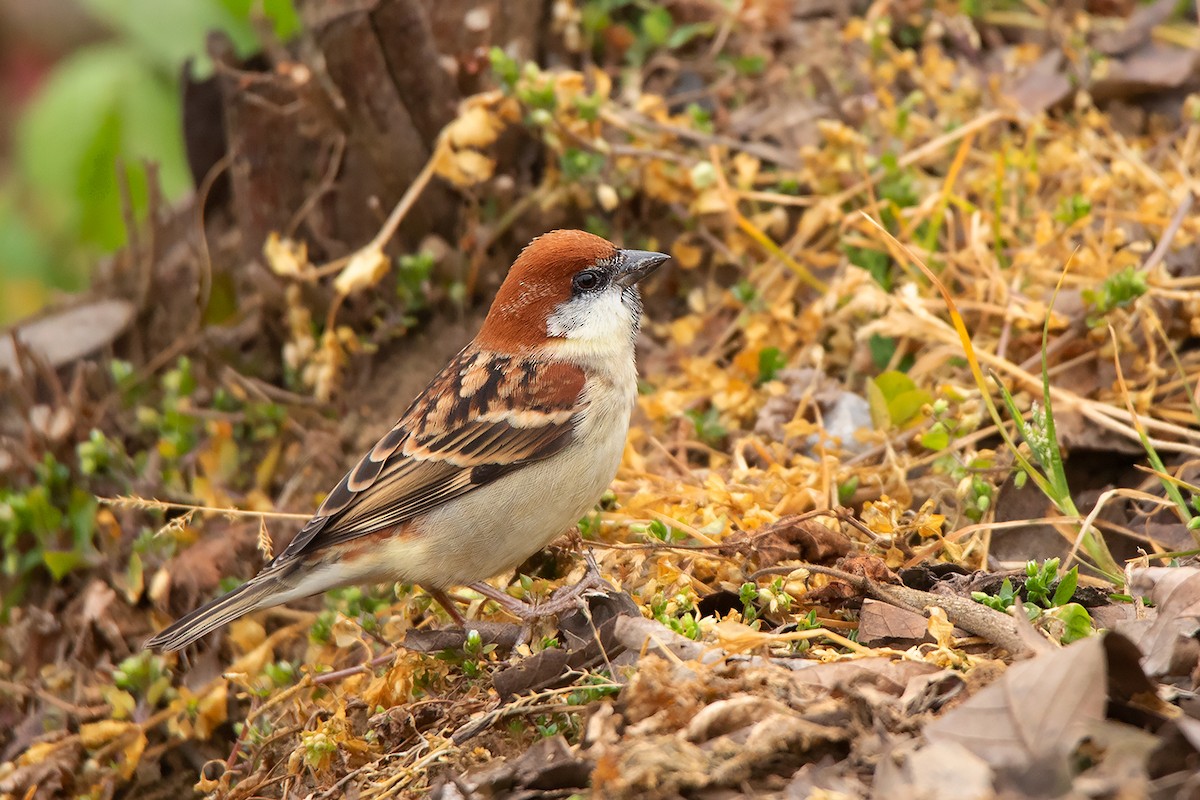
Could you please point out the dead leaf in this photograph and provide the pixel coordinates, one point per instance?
(1042, 86)
(364, 269)
(1169, 644)
(791, 538)
(65, 335)
(1137, 28)
(938, 770)
(885, 624)
(504, 634)
(287, 258)
(1028, 722)
(1153, 67)
(885, 674)
(589, 641)
(550, 766)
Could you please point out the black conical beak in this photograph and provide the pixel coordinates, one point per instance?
(637, 264)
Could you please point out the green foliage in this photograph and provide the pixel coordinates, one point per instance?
(664, 533)
(896, 399)
(1072, 209)
(1047, 596)
(97, 454)
(578, 164)
(748, 594)
(594, 688)
(47, 528)
(746, 293)
(883, 350)
(474, 656)
(770, 361)
(145, 675)
(1039, 581)
(683, 619)
(708, 425)
(1118, 291)
(1046, 469)
(412, 275)
(979, 493)
(101, 114)
(847, 488)
(876, 262)
(505, 68)
(897, 189)
(652, 25)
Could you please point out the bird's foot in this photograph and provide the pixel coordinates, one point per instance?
(563, 599)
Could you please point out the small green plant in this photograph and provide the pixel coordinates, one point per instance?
(682, 618)
(748, 593)
(1046, 468)
(578, 165)
(1047, 596)
(896, 400)
(770, 361)
(319, 749)
(475, 654)
(48, 527)
(1118, 291)
(652, 25)
(1072, 209)
(145, 675)
(664, 532)
(875, 262)
(594, 688)
(708, 425)
(975, 493)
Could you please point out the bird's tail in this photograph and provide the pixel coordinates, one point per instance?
(268, 588)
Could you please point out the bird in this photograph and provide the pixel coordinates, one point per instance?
(508, 446)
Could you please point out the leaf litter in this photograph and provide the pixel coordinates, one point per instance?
(813, 488)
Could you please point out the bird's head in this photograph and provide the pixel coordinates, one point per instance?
(570, 292)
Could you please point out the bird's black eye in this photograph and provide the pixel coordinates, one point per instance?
(587, 280)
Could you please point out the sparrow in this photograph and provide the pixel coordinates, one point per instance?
(505, 449)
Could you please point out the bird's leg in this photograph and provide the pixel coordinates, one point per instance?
(445, 602)
(522, 611)
(562, 600)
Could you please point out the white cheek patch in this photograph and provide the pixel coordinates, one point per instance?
(600, 317)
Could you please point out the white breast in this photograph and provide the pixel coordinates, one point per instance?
(494, 528)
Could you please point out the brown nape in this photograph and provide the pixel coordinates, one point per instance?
(539, 280)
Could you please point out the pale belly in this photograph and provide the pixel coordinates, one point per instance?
(493, 529)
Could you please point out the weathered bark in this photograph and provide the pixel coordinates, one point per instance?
(323, 140)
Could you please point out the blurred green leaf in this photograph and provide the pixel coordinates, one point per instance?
(102, 104)
(62, 562)
(171, 31)
(656, 25)
(895, 399)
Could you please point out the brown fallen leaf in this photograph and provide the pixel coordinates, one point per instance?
(589, 640)
(886, 624)
(791, 538)
(1169, 644)
(1153, 67)
(67, 334)
(1043, 86)
(885, 674)
(503, 634)
(548, 768)
(1137, 28)
(1027, 724)
(938, 770)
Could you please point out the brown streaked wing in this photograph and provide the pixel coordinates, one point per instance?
(482, 416)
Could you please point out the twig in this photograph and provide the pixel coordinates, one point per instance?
(163, 505)
(972, 617)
